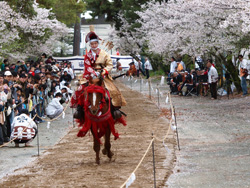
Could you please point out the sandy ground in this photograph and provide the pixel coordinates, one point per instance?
(71, 163)
(214, 139)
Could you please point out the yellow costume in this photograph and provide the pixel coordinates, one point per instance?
(97, 61)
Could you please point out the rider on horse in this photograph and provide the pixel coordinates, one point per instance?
(97, 61)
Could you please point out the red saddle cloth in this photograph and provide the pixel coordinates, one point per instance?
(98, 123)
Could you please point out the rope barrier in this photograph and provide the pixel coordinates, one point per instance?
(139, 164)
(18, 134)
(152, 140)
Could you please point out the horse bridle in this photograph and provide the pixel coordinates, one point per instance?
(101, 78)
(96, 111)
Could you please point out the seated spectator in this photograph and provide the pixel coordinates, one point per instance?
(65, 77)
(55, 108)
(175, 81)
(24, 128)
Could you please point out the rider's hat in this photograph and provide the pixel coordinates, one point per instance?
(92, 36)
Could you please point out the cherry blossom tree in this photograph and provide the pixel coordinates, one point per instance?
(22, 35)
(193, 27)
(127, 40)
(189, 27)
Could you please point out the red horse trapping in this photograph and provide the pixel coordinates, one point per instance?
(99, 124)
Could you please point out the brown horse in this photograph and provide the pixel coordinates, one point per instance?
(98, 117)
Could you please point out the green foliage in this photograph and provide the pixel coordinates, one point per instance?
(23, 6)
(188, 61)
(127, 7)
(157, 73)
(66, 11)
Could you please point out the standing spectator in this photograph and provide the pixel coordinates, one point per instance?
(183, 65)
(173, 65)
(28, 66)
(43, 58)
(148, 67)
(179, 66)
(243, 74)
(31, 105)
(21, 66)
(69, 70)
(41, 101)
(138, 66)
(212, 79)
(49, 60)
(118, 65)
(117, 51)
(4, 64)
(3, 99)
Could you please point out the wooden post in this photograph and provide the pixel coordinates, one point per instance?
(149, 85)
(38, 149)
(153, 162)
(176, 130)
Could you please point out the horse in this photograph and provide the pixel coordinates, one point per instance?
(98, 116)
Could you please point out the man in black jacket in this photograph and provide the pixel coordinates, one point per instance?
(65, 77)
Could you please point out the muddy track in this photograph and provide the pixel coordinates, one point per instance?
(71, 163)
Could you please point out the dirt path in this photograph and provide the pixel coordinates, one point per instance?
(214, 138)
(71, 163)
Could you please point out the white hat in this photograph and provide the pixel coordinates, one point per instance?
(57, 91)
(7, 73)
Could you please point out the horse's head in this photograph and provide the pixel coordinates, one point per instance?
(95, 93)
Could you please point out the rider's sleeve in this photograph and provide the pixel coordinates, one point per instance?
(108, 63)
(88, 70)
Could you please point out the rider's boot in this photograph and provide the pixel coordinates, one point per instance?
(115, 110)
(79, 114)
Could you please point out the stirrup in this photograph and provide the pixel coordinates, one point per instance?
(79, 113)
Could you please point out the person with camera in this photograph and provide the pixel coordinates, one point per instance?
(212, 79)
(243, 74)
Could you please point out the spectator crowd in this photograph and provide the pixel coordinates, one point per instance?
(203, 78)
(35, 88)
(195, 82)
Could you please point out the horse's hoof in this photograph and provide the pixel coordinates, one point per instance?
(97, 161)
(110, 155)
(104, 151)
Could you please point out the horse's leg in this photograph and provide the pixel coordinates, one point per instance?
(96, 149)
(107, 150)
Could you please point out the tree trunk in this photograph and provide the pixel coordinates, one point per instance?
(234, 74)
(77, 36)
